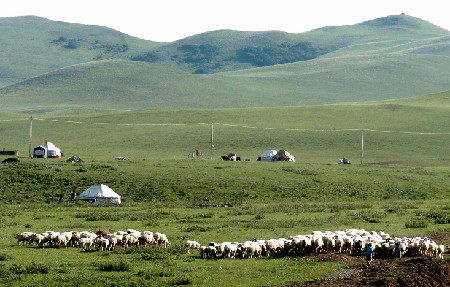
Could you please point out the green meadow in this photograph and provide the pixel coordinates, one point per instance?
(205, 200)
(412, 131)
(402, 187)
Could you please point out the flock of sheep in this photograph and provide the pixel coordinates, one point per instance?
(103, 240)
(350, 241)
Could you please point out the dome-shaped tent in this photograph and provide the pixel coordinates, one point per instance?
(268, 155)
(47, 150)
(100, 193)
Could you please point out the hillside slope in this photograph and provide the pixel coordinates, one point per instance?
(32, 46)
(125, 85)
(227, 50)
(388, 58)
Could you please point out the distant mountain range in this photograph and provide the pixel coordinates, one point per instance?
(47, 65)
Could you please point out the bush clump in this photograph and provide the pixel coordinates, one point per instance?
(416, 223)
(33, 268)
(115, 266)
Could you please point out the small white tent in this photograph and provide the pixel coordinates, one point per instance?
(100, 193)
(47, 150)
(268, 155)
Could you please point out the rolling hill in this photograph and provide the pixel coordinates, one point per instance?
(31, 46)
(387, 58)
(227, 50)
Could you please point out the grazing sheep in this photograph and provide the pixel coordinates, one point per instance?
(402, 248)
(230, 250)
(38, 239)
(351, 241)
(24, 237)
(75, 236)
(161, 238)
(191, 244)
(203, 250)
(85, 242)
(62, 240)
(253, 250)
(211, 252)
(126, 240)
(146, 238)
(112, 243)
(102, 243)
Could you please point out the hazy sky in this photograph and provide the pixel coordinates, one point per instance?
(169, 20)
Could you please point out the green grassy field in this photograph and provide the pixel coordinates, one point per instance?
(162, 190)
(265, 200)
(409, 131)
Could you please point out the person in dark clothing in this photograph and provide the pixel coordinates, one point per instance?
(369, 254)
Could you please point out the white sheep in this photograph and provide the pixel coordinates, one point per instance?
(191, 244)
(402, 248)
(62, 240)
(253, 250)
(85, 242)
(230, 250)
(112, 242)
(440, 251)
(146, 238)
(161, 238)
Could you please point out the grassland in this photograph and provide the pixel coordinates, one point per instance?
(265, 200)
(406, 131)
(162, 190)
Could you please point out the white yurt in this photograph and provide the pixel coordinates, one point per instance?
(100, 193)
(47, 150)
(268, 155)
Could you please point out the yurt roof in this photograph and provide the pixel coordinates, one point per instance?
(99, 190)
(49, 146)
(270, 152)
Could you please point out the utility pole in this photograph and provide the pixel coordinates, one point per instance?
(362, 146)
(30, 154)
(212, 141)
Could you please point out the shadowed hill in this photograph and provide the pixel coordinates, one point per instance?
(227, 50)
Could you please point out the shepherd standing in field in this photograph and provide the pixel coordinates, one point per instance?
(369, 254)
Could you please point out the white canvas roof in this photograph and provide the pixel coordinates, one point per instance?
(49, 146)
(100, 192)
